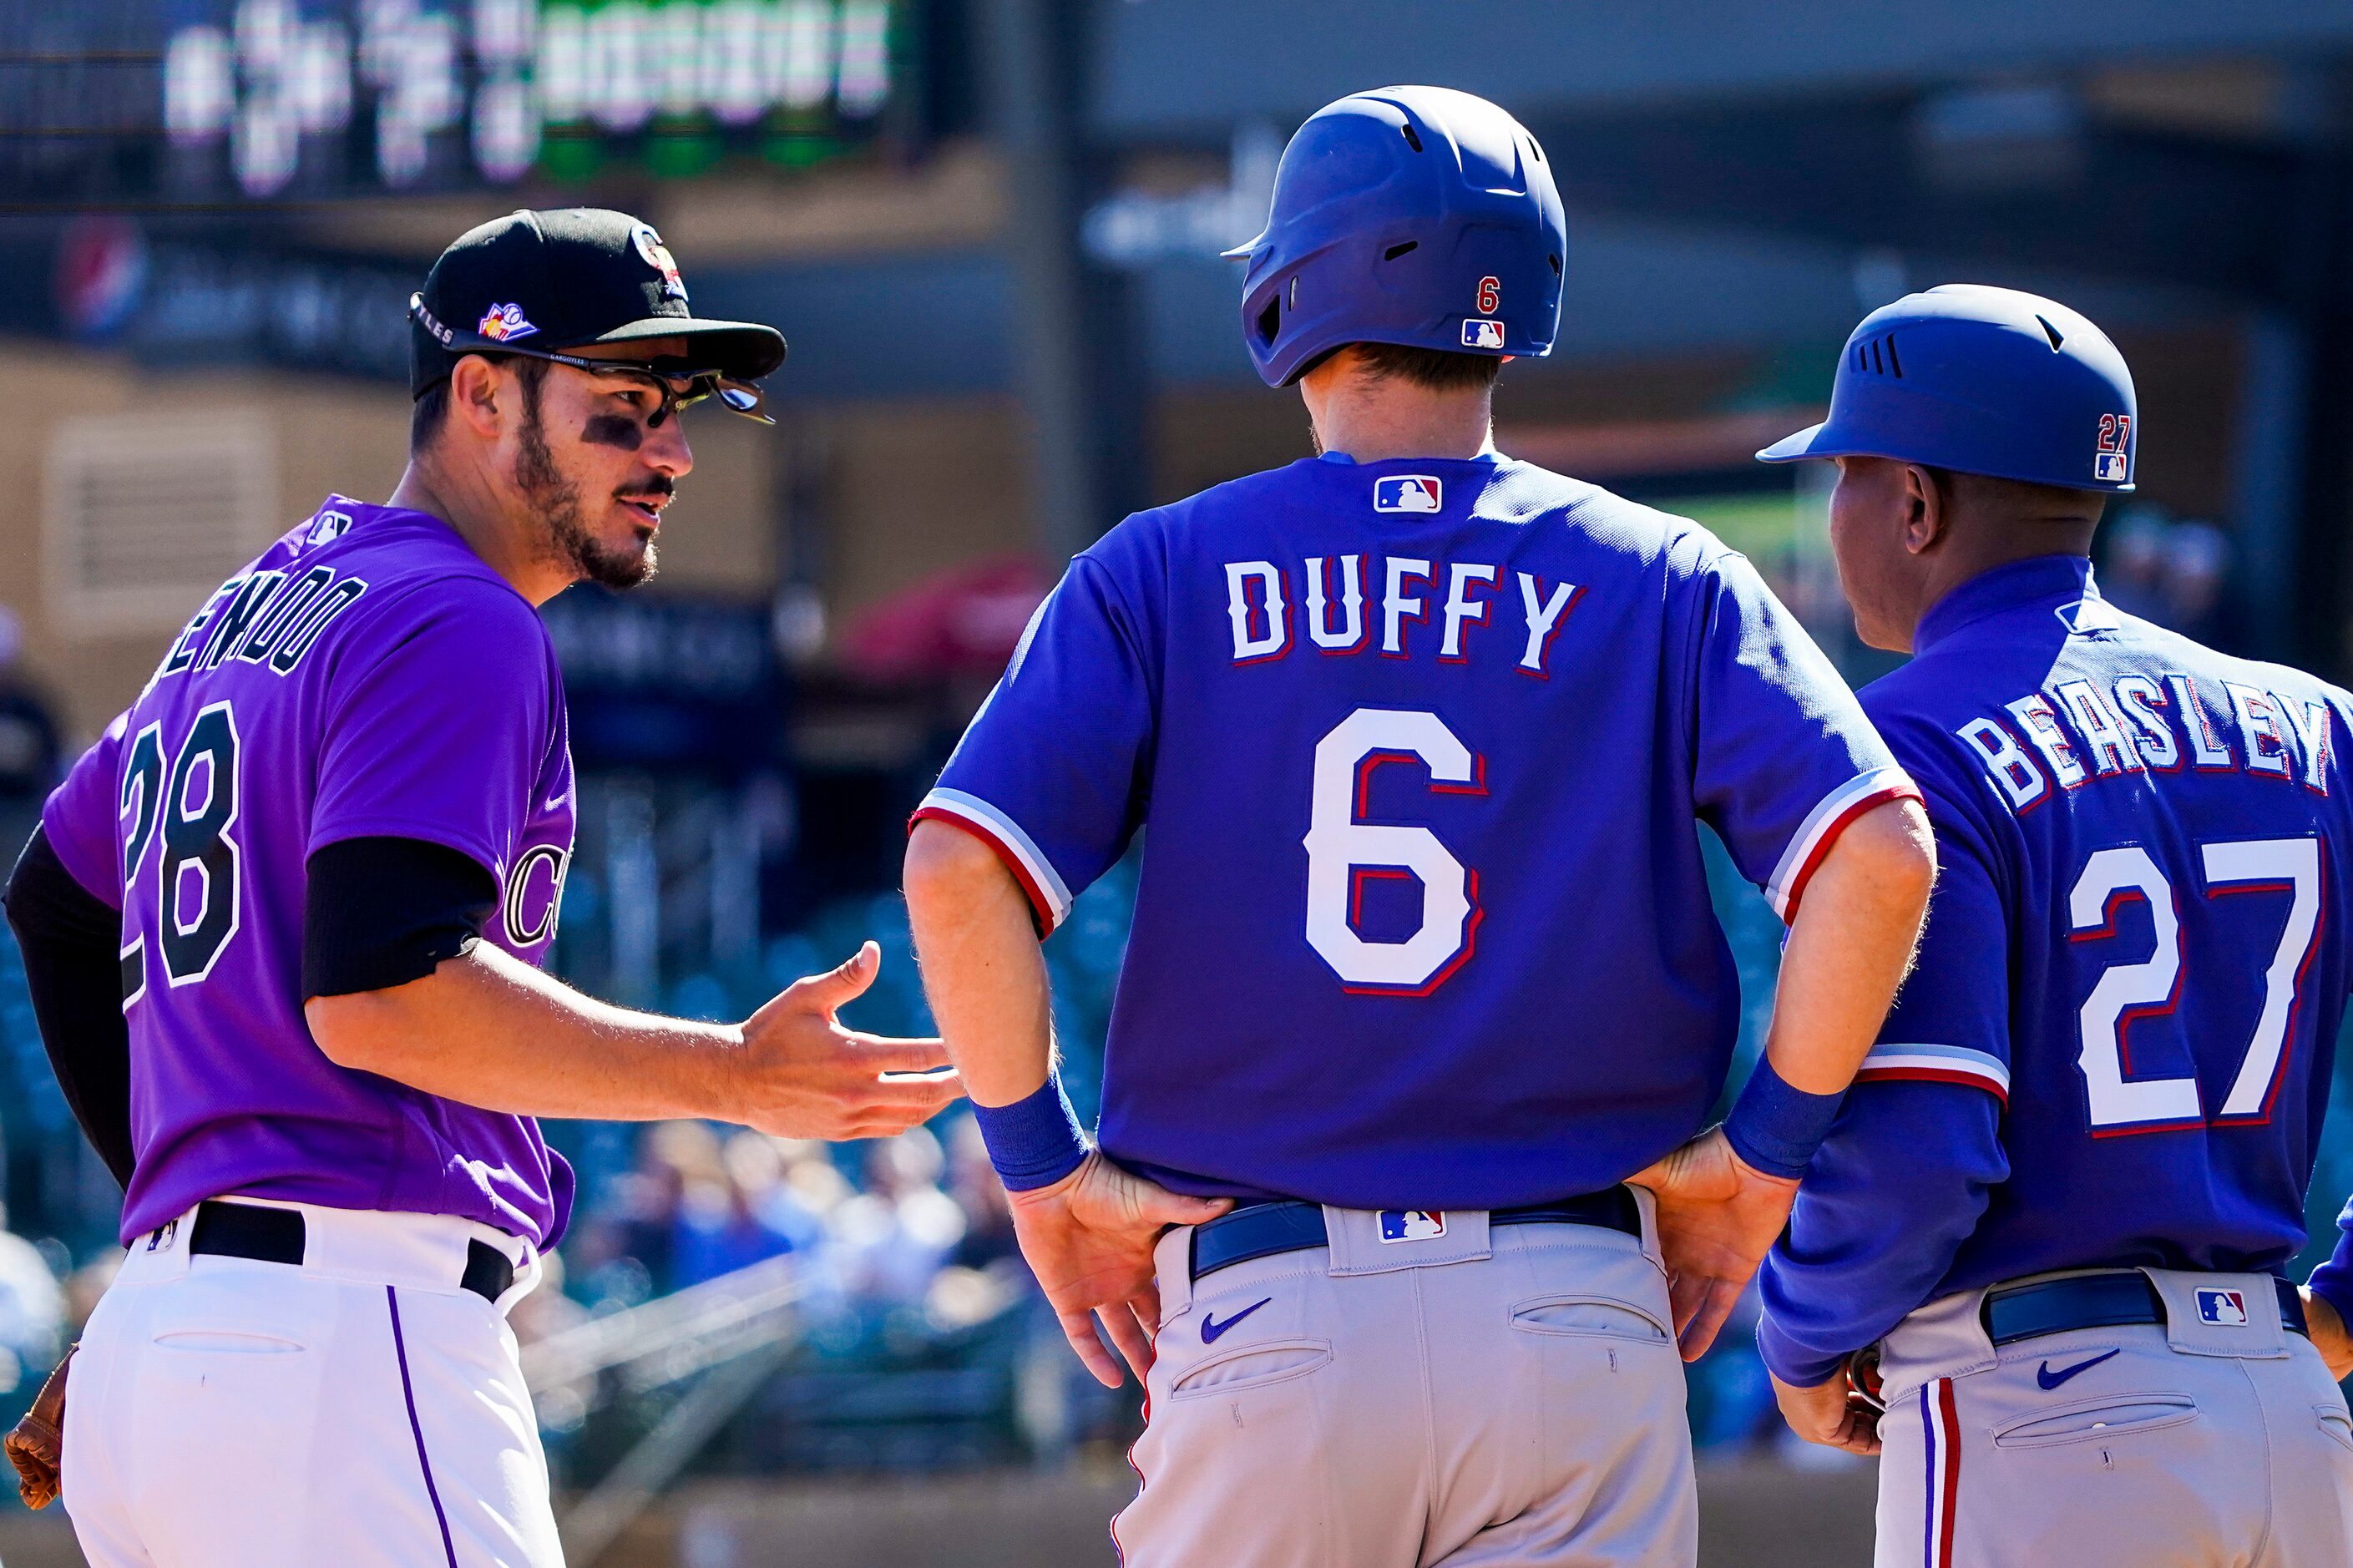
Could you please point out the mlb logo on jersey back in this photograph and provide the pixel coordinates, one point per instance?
(1406, 493)
(1478, 334)
(2225, 1309)
(1412, 1224)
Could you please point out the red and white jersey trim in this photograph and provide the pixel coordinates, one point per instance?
(1821, 829)
(1049, 895)
(1937, 1064)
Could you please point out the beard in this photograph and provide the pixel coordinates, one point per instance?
(557, 499)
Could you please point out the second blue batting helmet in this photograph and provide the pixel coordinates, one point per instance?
(1416, 216)
(1981, 380)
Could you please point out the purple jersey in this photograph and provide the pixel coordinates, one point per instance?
(2116, 1048)
(1420, 749)
(367, 675)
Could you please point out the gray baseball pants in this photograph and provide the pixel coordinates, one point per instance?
(2218, 1445)
(1503, 1399)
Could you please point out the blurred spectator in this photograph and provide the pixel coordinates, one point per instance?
(2133, 574)
(746, 1216)
(987, 1213)
(630, 1247)
(28, 736)
(85, 1284)
(2198, 558)
(32, 1311)
(897, 1234)
(762, 1167)
(2173, 571)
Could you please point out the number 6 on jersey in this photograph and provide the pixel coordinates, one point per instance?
(1343, 851)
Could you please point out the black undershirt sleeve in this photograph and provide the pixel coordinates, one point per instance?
(71, 942)
(381, 912)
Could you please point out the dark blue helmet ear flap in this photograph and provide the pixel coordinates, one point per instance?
(1981, 380)
(1416, 216)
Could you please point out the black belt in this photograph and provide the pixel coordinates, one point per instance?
(1264, 1229)
(2096, 1302)
(280, 1236)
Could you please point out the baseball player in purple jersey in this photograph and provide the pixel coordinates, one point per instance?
(1423, 968)
(283, 926)
(2060, 1196)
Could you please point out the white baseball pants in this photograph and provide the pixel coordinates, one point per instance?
(2185, 1445)
(1488, 1398)
(359, 1409)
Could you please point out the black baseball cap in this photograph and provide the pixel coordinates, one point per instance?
(563, 279)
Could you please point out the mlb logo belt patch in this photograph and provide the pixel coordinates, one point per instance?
(1407, 492)
(1412, 1224)
(2227, 1308)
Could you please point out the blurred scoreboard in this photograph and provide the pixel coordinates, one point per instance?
(196, 102)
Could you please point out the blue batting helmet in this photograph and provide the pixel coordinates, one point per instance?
(1417, 215)
(1983, 381)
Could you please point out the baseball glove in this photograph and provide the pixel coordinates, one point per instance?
(37, 1446)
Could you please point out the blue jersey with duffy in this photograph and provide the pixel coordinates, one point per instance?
(2115, 1050)
(1422, 746)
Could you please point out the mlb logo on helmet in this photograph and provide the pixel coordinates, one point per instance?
(2226, 1308)
(657, 256)
(1478, 334)
(501, 322)
(1412, 1224)
(1406, 493)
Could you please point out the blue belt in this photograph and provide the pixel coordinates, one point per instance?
(1263, 1229)
(2096, 1302)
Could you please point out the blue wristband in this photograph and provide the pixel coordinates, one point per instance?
(1035, 1141)
(1776, 1127)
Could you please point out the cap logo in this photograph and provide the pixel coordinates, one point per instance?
(1406, 493)
(2112, 465)
(657, 256)
(501, 322)
(1478, 334)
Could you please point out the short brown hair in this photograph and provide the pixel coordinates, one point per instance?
(1435, 369)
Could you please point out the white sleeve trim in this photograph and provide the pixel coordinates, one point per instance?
(1812, 835)
(1939, 1062)
(980, 814)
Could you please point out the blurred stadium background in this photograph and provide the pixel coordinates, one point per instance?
(989, 228)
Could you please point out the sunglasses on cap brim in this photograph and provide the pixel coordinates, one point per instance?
(681, 388)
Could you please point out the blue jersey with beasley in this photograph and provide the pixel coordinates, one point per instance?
(2116, 1047)
(1420, 747)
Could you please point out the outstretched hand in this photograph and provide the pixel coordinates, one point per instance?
(1088, 1239)
(1718, 1216)
(802, 1075)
